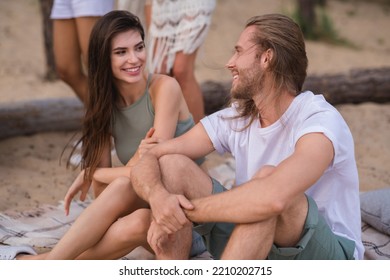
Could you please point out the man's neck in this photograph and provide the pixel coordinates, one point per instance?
(271, 107)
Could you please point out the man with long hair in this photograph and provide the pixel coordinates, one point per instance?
(297, 189)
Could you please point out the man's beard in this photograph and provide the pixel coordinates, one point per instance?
(250, 83)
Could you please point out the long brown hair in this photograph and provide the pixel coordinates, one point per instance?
(289, 62)
(102, 93)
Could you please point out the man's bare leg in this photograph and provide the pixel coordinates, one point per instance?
(250, 241)
(177, 247)
(181, 175)
(254, 241)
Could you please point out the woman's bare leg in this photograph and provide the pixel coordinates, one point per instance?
(183, 71)
(84, 28)
(118, 200)
(122, 237)
(67, 55)
(101, 233)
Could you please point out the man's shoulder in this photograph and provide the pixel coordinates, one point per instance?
(228, 116)
(310, 103)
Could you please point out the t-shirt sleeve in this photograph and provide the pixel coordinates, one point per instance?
(217, 128)
(333, 126)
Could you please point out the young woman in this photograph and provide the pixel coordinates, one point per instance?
(138, 111)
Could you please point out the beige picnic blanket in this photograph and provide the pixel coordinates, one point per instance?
(42, 227)
(376, 243)
(39, 227)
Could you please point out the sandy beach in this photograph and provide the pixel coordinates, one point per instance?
(32, 171)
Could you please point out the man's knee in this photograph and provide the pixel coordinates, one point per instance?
(181, 175)
(291, 222)
(174, 169)
(174, 164)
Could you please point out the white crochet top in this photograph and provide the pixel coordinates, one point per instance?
(176, 25)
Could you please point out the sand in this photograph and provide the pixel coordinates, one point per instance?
(31, 170)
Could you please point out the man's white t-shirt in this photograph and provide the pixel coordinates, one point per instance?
(336, 192)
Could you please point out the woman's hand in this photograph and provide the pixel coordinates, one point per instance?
(158, 238)
(146, 144)
(78, 185)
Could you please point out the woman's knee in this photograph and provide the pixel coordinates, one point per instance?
(181, 74)
(121, 183)
(183, 68)
(72, 74)
(133, 227)
(67, 75)
(120, 187)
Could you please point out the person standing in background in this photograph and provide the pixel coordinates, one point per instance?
(176, 30)
(72, 24)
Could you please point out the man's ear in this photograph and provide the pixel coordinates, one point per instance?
(266, 57)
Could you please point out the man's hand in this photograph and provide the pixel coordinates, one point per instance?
(168, 212)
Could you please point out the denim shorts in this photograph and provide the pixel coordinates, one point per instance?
(318, 242)
(215, 235)
(198, 246)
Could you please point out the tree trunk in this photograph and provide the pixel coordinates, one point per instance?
(47, 25)
(360, 85)
(307, 11)
(307, 17)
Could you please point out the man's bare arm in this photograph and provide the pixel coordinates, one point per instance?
(263, 198)
(147, 182)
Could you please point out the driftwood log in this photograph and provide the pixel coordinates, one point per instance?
(359, 85)
(64, 114)
(24, 118)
